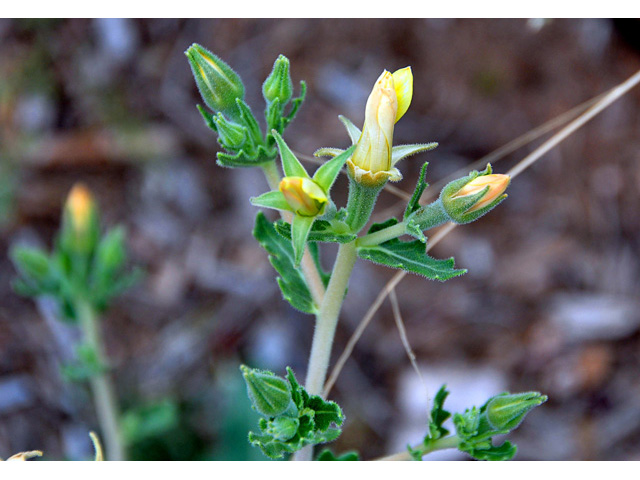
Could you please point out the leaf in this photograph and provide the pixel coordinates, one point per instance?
(321, 231)
(295, 105)
(410, 256)
(326, 412)
(327, 456)
(291, 281)
(414, 203)
(439, 415)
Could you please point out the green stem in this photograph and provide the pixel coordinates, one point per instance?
(444, 443)
(326, 322)
(383, 235)
(102, 390)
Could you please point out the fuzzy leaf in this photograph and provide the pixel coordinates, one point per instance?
(414, 204)
(400, 152)
(291, 281)
(327, 456)
(410, 256)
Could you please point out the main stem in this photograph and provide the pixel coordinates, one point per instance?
(102, 390)
(325, 330)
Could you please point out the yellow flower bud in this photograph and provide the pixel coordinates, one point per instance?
(304, 196)
(371, 163)
(80, 204)
(496, 182)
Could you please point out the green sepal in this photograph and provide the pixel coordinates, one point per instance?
(273, 116)
(400, 152)
(250, 122)
(321, 231)
(273, 199)
(421, 185)
(295, 105)
(290, 163)
(327, 456)
(291, 281)
(208, 117)
(300, 229)
(409, 256)
(328, 152)
(326, 174)
(353, 131)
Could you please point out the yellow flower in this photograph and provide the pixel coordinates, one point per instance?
(303, 195)
(497, 184)
(371, 163)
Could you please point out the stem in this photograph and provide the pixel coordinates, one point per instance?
(440, 444)
(325, 330)
(308, 266)
(102, 389)
(383, 235)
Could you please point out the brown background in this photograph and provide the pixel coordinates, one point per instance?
(550, 302)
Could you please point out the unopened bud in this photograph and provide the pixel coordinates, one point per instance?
(497, 184)
(219, 85)
(505, 412)
(232, 136)
(470, 197)
(278, 85)
(371, 163)
(80, 205)
(269, 394)
(304, 196)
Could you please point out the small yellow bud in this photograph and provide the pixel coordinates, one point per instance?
(80, 204)
(496, 182)
(387, 103)
(304, 196)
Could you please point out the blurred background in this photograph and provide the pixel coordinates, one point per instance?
(550, 302)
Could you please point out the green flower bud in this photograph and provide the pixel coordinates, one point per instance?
(231, 135)
(269, 394)
(506, 411)
(468, 198)
(283, 428)
(219, 85)
(278, 85)
(80, 229)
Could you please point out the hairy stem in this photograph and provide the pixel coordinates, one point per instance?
(102, 390)
(326, 322)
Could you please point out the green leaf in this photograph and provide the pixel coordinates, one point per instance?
(321, 231)
(291, 281)
(410, 256)
(327, 456)
(299, 233)
(249, 121)
(274, 199)
(243, 159)
(208, 118)
(325, 412)
(290, 163)
(439, 415)
(414, 203)
(326, 175)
